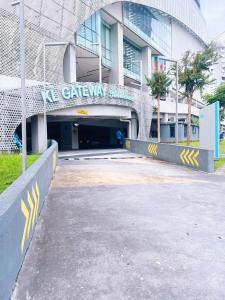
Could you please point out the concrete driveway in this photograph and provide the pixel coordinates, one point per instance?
(128, 228)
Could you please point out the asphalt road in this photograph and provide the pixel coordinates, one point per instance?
(128, 228)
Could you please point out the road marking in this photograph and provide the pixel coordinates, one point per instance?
(26, 216)
(30, 212)
(195, 158)
(153, 149)
(190, 157)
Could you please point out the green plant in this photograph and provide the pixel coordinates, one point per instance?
(195, 120)
(159, 84)
(194, 75)
(218, 95)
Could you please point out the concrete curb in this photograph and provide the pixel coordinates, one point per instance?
(20, 206)
(198, 159)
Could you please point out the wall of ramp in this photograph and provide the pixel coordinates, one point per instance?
(20, 206)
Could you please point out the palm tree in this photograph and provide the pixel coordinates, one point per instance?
(159, 84)
(194, 75)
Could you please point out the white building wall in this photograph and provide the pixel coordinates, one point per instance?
(183, 41)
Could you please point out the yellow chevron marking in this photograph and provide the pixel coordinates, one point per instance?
(38, 197)
(54, 160)
(188, 157)
(35, 205)
(185, 157)
(195, 158)
(30, 214)
(182, 156)
(153, 149)
(26, 216)
(29, 199)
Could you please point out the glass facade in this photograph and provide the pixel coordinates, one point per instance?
(132, 58)
(154, 28)
(88, 36)
(149, 24)
(106, 45)
(88, 33)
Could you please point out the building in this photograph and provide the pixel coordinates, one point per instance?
(97, 54)
(218, 70)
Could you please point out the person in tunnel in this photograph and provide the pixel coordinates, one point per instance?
(17, 142)
(119, 138)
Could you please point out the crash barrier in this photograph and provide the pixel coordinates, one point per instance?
(186, 156)
(20, 206)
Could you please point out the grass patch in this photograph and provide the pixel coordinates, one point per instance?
(11, 168)
(218, 163)
(195, 144)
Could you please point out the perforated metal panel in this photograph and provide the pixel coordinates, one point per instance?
(10, 107)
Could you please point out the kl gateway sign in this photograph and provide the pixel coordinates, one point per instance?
(84, 91)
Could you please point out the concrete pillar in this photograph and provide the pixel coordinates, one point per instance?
(75, 141)
(146, 56)
(117, 74)
(69, 65)
(165, 117)
(38, 134)
(134, 127)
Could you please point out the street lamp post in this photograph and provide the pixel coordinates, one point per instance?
(177, 121)
(141, 88)
(51, 44)
(23, 82)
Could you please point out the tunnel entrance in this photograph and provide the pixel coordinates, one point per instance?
(85, 133)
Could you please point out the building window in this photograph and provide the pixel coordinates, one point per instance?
(153, 27)
(172, 131)
(106, 45)
(132, 58)
(88, 33)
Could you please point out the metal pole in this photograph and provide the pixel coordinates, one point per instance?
(177, 121)
(100, 51)
(23, 86)
(141, 83)
(53, 44)
(44, 75)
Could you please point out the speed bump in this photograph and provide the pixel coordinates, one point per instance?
(30, 213)
(153, 149)
(190, 157)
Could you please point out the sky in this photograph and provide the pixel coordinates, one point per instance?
(214, 13)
